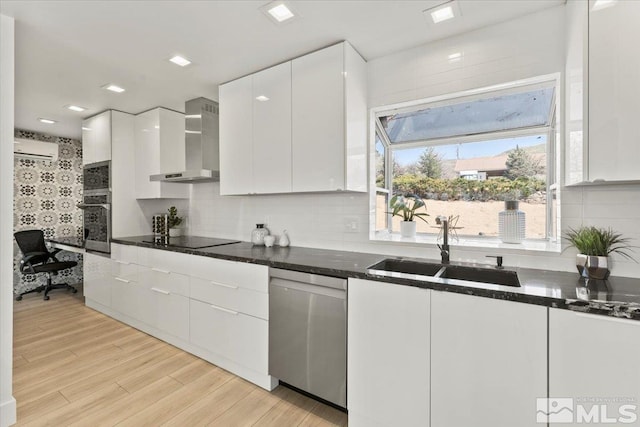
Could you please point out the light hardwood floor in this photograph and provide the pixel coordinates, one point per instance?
(74, 366)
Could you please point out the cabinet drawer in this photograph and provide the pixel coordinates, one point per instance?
(125, 253)
(232, 297)
(124, 270)
(167, 281)
(240, 338)
(171, 314)
(243, 275)
(133, 300)
(167, 260)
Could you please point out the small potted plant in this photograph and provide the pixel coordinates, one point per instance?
(174, 221)
(406, 207)
(595, 245)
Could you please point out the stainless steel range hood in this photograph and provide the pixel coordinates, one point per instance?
(201, 144)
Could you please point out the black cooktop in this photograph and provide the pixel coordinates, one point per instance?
(190, 242)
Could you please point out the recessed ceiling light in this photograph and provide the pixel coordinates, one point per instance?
(262, 98)
(278, 11)
(75, 108)
(444, 12)
(179, 60)
(86, 128)
(455, 57)
(47, 121)
(603, 4)
(113, 88)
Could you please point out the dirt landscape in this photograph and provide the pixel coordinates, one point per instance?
(475, 217)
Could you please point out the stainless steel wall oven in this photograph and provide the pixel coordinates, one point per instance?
(96, 206)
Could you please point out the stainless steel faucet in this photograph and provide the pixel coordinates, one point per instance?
(444, 248)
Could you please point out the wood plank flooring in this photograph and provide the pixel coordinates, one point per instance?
(73, 366)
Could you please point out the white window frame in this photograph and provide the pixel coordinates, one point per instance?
(553, 131)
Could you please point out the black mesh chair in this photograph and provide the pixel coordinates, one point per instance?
(36, 258)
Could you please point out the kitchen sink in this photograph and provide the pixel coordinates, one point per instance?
(399, 267)
(482, 275)
(405, 266)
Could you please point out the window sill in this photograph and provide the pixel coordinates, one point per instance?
(530, 245)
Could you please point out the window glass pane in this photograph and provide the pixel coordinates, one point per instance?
(472, 181)
(382, 218)
(498, 113)
(380, 163)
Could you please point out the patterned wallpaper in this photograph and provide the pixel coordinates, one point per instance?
(45, 195)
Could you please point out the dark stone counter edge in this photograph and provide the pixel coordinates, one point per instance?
(560, 303)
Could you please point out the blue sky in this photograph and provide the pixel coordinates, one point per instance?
(471, 149)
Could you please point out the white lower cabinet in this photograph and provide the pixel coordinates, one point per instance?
(388, 355)
(594, 360)
(97, 278)
(216, 309)
(488, 361)
(230, 334)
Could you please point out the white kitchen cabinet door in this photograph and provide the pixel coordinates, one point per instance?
(614, 90)
(318, 120)
(388, 355)
(96, 138)
(594, 357)
(235, 336)
(133, 300)
(171, 312)
(159, 148)
(272, 130)
(488, 361)
(97, 278)
(236, 137)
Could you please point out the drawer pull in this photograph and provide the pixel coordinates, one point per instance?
(122, 262)
(160, 291)
(224, 285)
(122, 280)
(226, 310)
(160, 271)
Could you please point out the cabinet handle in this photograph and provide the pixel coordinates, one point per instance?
(122, 280)
(224, 285)
(122, 262)
(160, 271)
(160, 291)
(609, 319)
(226, 310)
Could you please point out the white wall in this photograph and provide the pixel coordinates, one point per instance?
(7, 402)
(522, 48)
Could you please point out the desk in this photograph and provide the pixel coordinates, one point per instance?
(71, 244)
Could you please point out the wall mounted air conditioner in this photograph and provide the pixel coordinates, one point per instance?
(35, 150)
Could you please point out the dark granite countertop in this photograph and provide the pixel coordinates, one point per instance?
(617, 296)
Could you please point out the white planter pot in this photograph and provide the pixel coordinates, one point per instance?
(408, 228)
(175, 232)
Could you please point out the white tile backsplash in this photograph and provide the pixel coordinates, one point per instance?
(497, 54)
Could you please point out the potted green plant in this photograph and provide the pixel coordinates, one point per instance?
(595, 245)
(406, 207)
(174, 222)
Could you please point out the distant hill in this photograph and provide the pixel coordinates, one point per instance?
(533, 149)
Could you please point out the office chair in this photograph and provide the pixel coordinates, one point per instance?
(36, 258)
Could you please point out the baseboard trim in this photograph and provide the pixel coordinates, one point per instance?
(8, 412)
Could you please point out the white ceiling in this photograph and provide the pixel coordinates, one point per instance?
(66, 50)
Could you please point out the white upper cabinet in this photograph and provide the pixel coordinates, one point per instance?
(296, 127)
(614, 90)
(96, 138)
(255, 133)
(236, 137)
(159, 147)
(329, 120)
(272, 130)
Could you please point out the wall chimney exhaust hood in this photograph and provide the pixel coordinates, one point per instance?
(201, 144)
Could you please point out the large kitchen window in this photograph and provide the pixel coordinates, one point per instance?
(465, 155)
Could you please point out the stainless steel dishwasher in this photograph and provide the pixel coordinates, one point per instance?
(308, 333)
